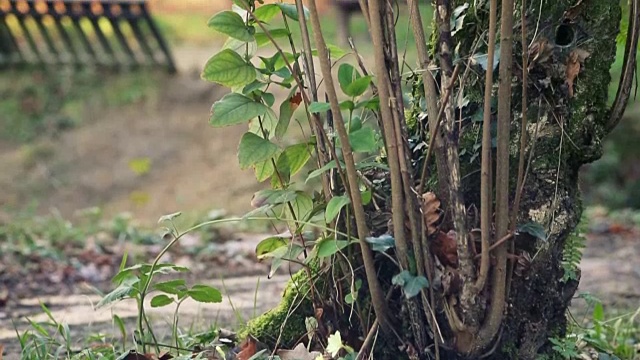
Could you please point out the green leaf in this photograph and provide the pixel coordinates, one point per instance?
(363, 140)
(534, 229)
(266, 247)
(346, 75)
(254, 149)
(319, 107)
(264, 170)
(205, 294)
(243, 4)
(353, 295)
(411, 285)
(347, 105)
(328, 247)
(272, 197)
(161, 300)
(381, 243)
(293, 158)
(230, 23)
(175, 287)
(282, 254)
(227, 68)
(334, 206)
(267, 12)
(370, 104)
(284, 118)
(248, 49)
(235, 109)
(290, 11)
(262, 38)
(358, 86)
(335, 52)
(128, 288)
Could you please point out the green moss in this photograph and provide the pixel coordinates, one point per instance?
(285, 324)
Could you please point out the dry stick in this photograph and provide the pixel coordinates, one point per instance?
(493, 322)
(486, 201)
(377, 296)
(628, 67)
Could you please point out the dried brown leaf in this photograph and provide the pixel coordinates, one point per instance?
(248, 348)
(445, 248)
(431, 211)
(575, 59)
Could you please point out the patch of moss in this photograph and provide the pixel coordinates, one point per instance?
(284, 325)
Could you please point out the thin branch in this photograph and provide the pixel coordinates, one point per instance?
(628, 66)
(377, 296)
(486, 200)
(491, 327)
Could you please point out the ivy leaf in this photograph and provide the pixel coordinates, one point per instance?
(235, 109)
(161, 300)
(411, 285)
(534, 229)
(230, 23)
(363, 140)
(381, 243)
(227, 68)
(254, 149)
(319, 107)
(328, 247)
(334, 206)
(205, 294)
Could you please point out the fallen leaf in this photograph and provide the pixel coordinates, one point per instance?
(445, 248)
(431, 211)
(248, 348)
(300, 352)
(134, 355)
(1, 351)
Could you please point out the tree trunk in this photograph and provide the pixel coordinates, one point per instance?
(567, 123)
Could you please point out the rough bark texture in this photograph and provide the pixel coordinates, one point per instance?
(568, 132)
